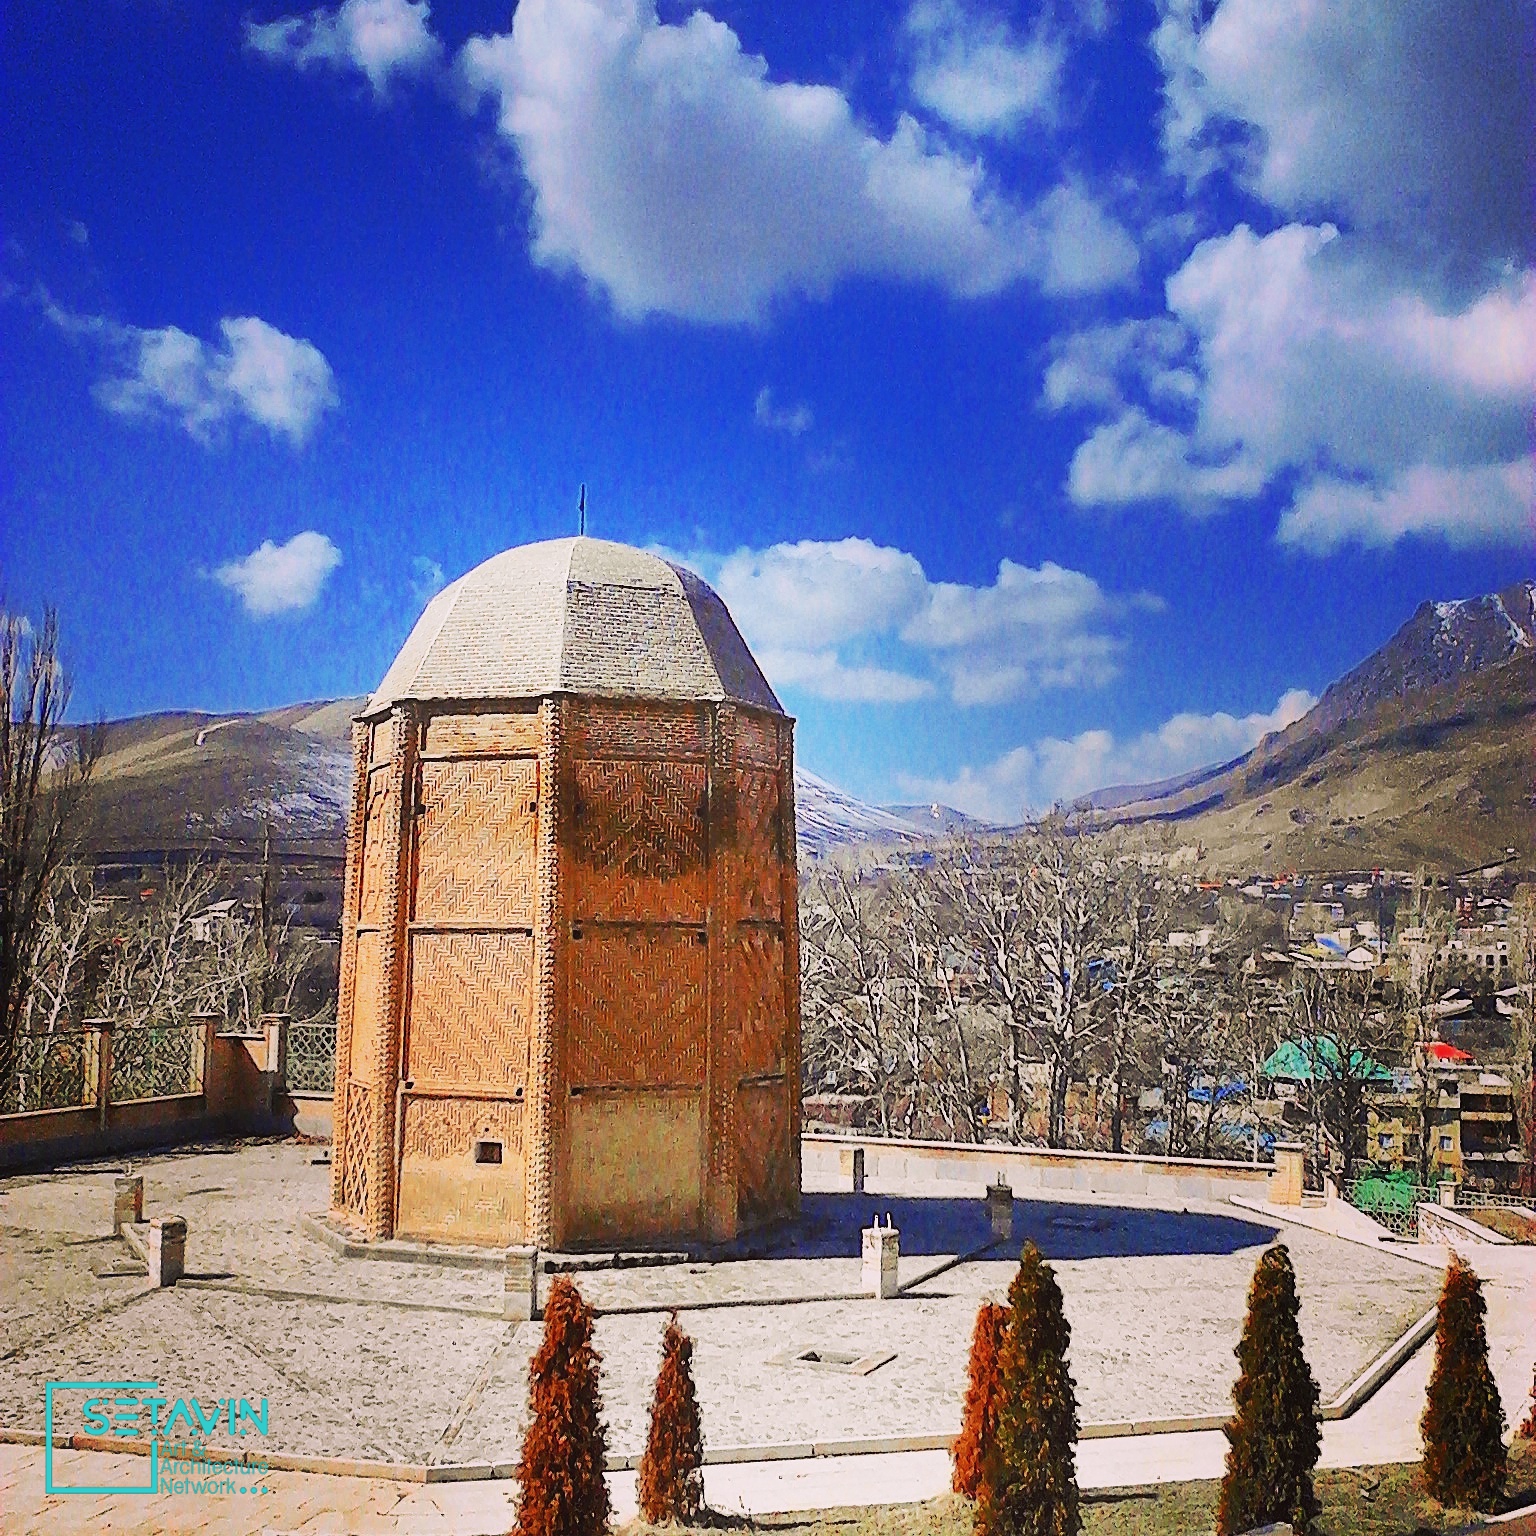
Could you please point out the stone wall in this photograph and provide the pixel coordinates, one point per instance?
(829, 1162)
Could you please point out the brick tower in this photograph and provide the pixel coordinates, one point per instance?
(569, 1009)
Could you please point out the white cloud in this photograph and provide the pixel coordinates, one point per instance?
(816, 613)
(427, 577)
(1485, 504)
(281, 578)
(1304, 355)
(256, 371)
(1409, 117)
(823, 674)
(381, 38)
(1055, 769)
(793, 419)
(974, 73)
(677, 177)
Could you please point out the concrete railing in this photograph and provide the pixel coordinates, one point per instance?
(830, 1160)
(234, 1085)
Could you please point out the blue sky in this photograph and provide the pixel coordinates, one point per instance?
(1058, 395)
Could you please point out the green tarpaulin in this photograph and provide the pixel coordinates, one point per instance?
(1300, 1062)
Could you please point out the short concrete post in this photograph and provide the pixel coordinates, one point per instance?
(1448, 1188)
(98, 1032)
(1000, 1208)
(1285, 1184)
(167, 1250)
(520, 1291)
(858, 1170)
(127, 1202)
(880, 1257)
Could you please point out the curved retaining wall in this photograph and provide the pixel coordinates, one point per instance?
(828, 1160)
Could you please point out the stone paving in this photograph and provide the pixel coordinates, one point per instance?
(409, 1362)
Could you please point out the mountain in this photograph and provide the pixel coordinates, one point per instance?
(1441, 643)
(189, 780)
(826, 817)
(939, 820)
(1420, 754)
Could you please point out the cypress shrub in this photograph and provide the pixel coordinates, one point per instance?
(1465, 1461)
(1527, 1430)
(671, 1485)
(978, 1429)
(561, 1487)
(1029, 1476)
(1273, 1438)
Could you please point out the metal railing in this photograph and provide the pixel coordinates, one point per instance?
(152, 1061)
(1390, 1202)
(312, 1057)
(54, 1071)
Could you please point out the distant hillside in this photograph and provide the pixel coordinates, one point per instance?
(938, 820)
(1425, 752)
(190, 780)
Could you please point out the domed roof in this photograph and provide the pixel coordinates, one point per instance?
(575, 616)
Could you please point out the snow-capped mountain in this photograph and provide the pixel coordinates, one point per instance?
(1439, 644)
(826, 817)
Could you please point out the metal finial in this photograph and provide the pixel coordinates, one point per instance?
(581, 510)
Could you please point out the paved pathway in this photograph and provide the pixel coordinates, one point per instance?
(1128, 1287)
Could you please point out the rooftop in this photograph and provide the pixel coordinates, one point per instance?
(577, 615)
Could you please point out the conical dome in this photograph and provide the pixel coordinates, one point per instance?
(582, 616)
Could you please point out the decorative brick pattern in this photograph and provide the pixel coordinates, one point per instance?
(351, 893)
(757, 998)
(604, 729)
(544, 1061)
(363, 1045)
(499, 735)
(637, 1013)
(444, 1130)
(638, 837)
(358, 1122)
(380, 852)
(757, 845)
(476, 833)
(471, 1009)
(757, 739)
(766, 1169)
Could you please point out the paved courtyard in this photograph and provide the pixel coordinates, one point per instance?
(408, 1362)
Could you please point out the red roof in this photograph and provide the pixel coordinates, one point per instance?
(1443, 1052)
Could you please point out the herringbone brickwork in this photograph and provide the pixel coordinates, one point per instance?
(757, 844)
(441, 1130)
(637, 1008)
(757, 998)
(476, 827)
(471, 1009)
(639, 841)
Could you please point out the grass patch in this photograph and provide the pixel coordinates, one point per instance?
(1357, 1501)
(1508, 1223)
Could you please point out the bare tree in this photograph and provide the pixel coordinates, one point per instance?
(45, 770)
(1063, 895)
(1139, 907)
(1420, 977)
(1347, 1036)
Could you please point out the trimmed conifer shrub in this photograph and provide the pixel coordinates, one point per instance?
(561, 1488)
(671, 1484)
(978, 1429)
(1029, 1476)
(1273, 1437)
(1465, 1462)
(1527, 1430)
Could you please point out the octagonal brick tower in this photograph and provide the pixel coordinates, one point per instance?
(569, 1009)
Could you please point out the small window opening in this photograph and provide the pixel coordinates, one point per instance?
(487, 1151)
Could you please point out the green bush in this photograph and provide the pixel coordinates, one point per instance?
(1029, 1477)
(1465, 1462)
(1273, 1437)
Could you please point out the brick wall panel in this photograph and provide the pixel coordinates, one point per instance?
(475, 842)
(757, 1002)
(604, 729)
(757, 845)
(471, 1009)
(639, 842)
(504, 734)
(764, 1161)
(638, 1008)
